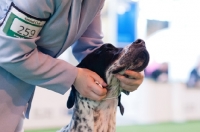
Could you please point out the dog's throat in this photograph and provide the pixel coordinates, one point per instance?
(94, 116)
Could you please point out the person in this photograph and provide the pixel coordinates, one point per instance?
(33, 34)
(194, 77)
(161, 73)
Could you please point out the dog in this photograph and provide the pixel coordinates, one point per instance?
(106, 61)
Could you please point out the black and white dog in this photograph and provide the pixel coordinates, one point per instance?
(100, 116)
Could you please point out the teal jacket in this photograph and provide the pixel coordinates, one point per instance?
(33, 34)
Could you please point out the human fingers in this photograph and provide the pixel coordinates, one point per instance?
(87, 86)
(131, 77)
(98, 79)
(94, 96)
(133, 82)
(128, 84)
(135, 75)
(98, 89)
(129, 88)
(94, 91)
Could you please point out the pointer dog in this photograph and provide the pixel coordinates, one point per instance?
(100, 116)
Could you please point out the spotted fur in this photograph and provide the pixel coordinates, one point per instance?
(100, 116)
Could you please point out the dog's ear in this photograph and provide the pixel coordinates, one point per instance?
(121, 107)
(71, 98)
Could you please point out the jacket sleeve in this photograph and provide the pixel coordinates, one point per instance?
(22, 58)
(91, 38)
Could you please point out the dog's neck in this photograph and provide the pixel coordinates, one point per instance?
(96, 116)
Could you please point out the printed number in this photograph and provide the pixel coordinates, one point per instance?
(20, 30)
(26, 32)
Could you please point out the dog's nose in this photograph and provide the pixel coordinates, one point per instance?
(139, 42)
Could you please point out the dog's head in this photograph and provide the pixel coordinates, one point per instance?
(133, 57)
(109, 60)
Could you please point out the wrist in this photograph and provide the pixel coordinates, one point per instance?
(77, 74)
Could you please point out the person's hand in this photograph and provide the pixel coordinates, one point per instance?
(85, 84)
(131, 81)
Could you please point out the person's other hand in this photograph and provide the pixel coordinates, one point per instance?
(85, 84)
(132, 82)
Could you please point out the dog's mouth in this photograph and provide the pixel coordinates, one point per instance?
(140, 61)
(139, 56)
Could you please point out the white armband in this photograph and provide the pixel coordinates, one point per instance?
(20, 24)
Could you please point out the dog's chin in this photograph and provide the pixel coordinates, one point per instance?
(140, 63)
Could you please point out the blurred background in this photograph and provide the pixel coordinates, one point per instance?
(169, 98)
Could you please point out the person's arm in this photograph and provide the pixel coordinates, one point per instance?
(90, 40)
(22, 58)
(85, 80)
